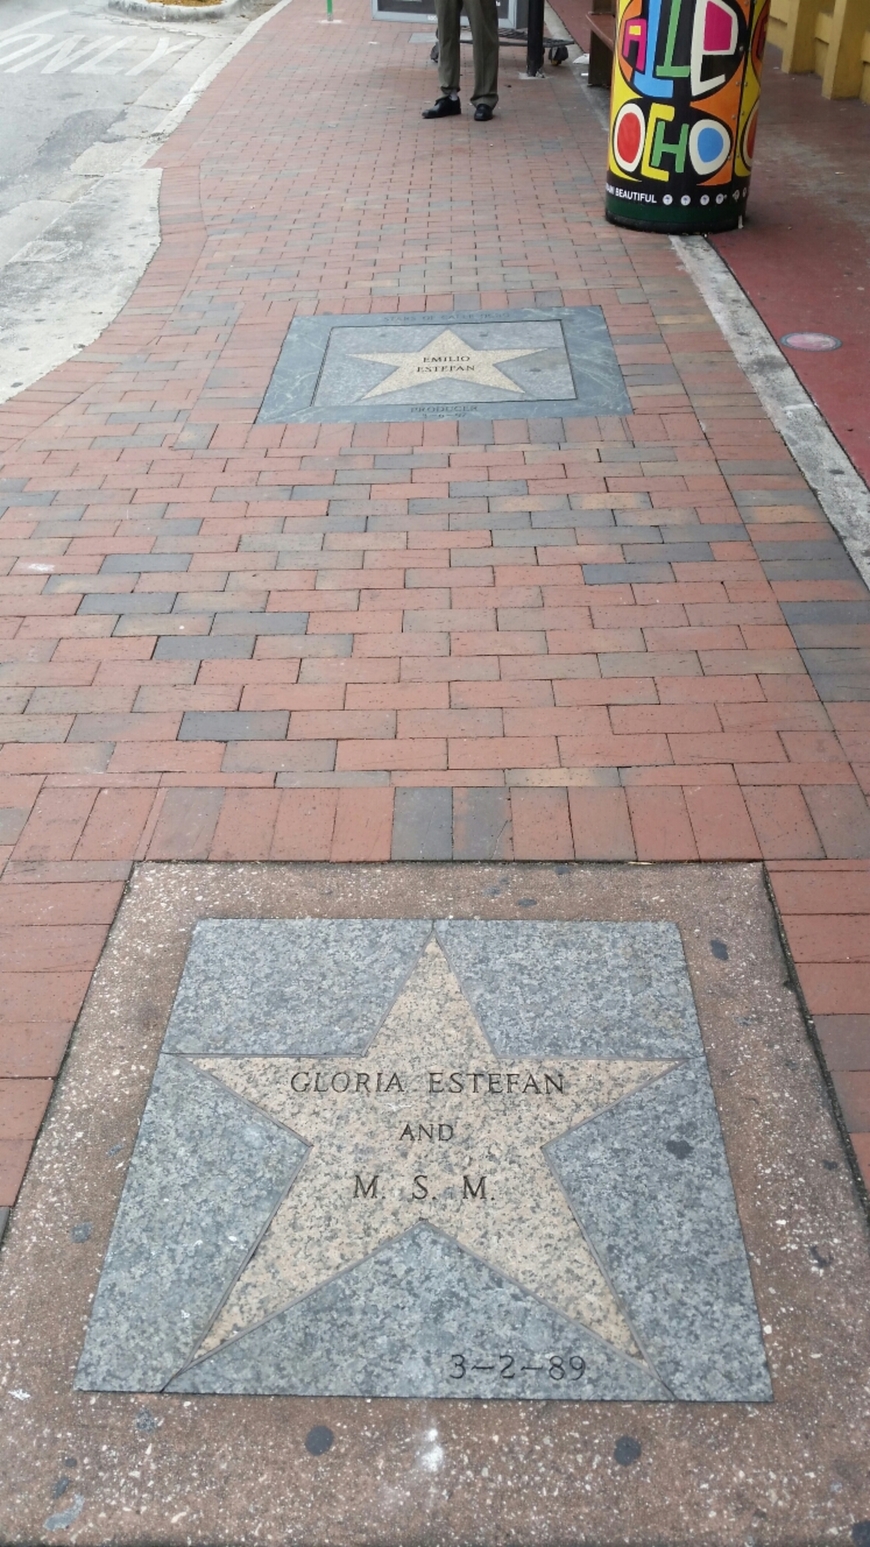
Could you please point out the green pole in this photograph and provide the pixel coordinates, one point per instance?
(329, 10)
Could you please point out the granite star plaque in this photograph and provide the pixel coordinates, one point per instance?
(552, 362)
(406, 1158)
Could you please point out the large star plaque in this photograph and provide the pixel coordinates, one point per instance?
(437, 1210)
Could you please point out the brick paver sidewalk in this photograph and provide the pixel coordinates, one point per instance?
(618, 639)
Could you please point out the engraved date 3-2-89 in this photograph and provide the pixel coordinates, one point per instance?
(568, 1367)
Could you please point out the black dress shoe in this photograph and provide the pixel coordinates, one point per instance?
(482, 113)
(445, 107)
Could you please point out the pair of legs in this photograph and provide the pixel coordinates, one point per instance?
(483, 19)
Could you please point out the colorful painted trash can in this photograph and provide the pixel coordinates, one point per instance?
(683, 112)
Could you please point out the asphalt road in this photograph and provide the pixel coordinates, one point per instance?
(78, 78)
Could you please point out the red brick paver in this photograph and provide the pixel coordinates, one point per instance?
(602, 639)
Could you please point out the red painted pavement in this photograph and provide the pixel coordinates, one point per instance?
(803, 256)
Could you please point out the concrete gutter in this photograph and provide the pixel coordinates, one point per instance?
(830, 473)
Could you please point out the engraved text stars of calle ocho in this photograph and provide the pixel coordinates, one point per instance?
(428, 1126)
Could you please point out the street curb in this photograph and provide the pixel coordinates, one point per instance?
(157, 12)
(828, 469)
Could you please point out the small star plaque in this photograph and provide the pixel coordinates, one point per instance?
(552, 362)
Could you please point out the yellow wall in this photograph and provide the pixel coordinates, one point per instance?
(778, 24)
(834, 43)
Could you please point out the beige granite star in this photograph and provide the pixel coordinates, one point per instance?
(428, 1125)
(447, 358)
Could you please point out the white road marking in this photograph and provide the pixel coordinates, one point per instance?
(37, 40)
(66, 51)
(70, 53)
(90, 65)
(162, 50)
(22, 26)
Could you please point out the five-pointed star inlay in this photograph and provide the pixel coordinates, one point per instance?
(447, 358)
(428, 1112)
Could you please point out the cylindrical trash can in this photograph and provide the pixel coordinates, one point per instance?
(683, 111)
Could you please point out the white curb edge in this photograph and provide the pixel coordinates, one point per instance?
(833, 477)
(159, 12)
(212, 71)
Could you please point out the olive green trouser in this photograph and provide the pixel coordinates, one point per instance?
(483, 19)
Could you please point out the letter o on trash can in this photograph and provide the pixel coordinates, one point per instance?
(683, 111)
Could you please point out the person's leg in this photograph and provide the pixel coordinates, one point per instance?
(483, 18)
(447, 12)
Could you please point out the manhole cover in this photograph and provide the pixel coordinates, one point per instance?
(816, 343)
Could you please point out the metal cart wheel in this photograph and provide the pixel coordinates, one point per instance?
(558, 55)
